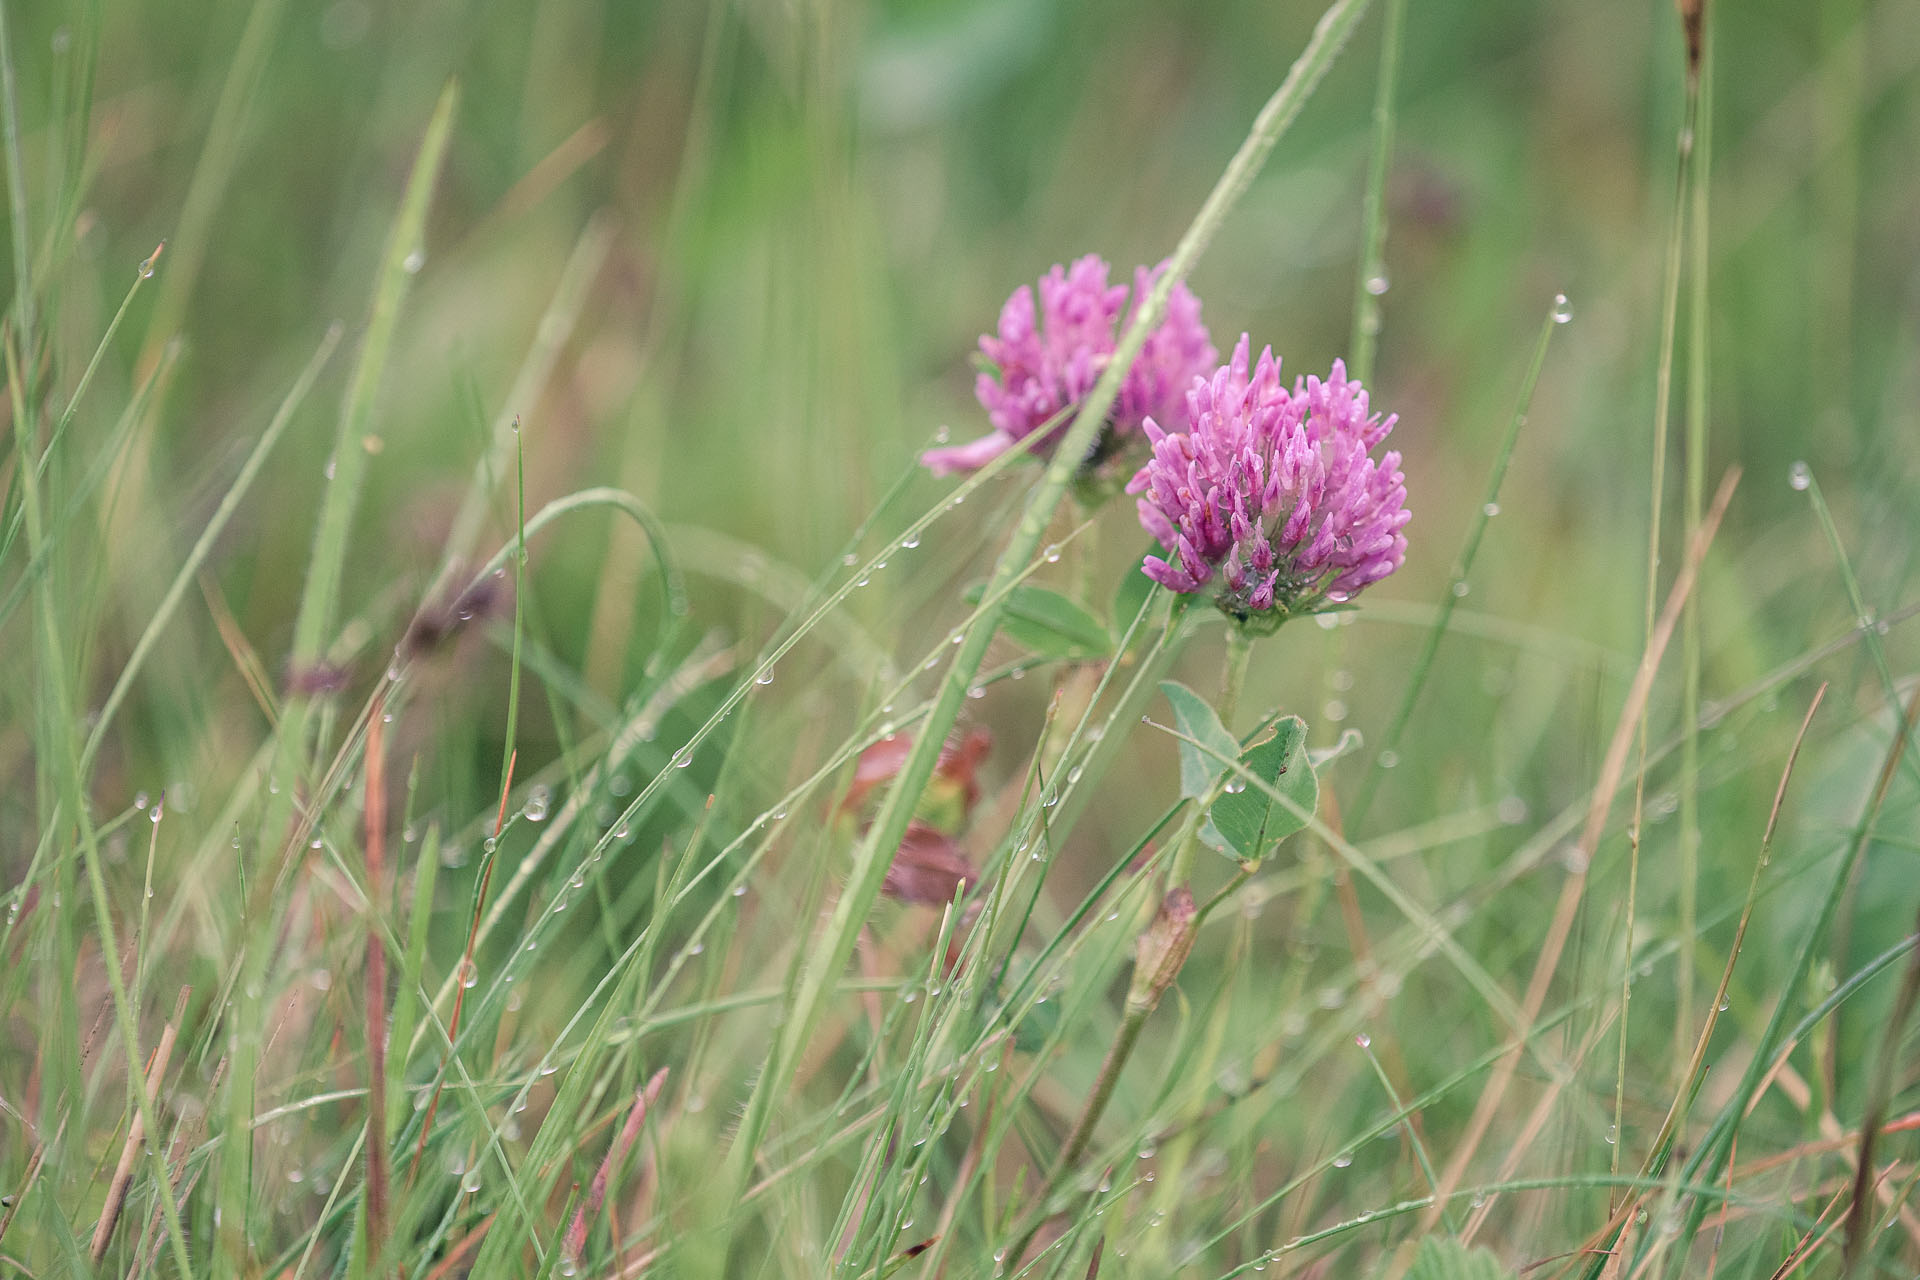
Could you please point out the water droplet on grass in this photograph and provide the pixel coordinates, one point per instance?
(412, 263)
(1800, 476)
(539, 800)
(1377, 285)
(1562, 309)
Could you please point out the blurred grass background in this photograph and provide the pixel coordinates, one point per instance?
(776, 230)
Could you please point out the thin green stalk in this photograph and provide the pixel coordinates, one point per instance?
(1447, 1215)
(519, 609)
(1870, 626)
(1457, 581)
(349, 465)
(213, 172)
(229, 503)
(1075, 1146)
(1700, 89)
(1656, 504)
(1372, 280)
(23, 300)
(872, 855)
(1233, 673)
(1233, 678)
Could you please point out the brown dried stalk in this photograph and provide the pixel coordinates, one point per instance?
(576, 1241)
(136, 1134)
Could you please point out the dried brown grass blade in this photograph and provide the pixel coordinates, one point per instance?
(643, 1101)
(378, 1195)
(1567, 909)
(136, 1135)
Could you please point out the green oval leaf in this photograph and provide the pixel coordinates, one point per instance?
(1202, 765)
(1251, 821)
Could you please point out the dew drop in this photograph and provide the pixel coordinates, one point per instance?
(1800, 476)
(765, 677)
(1327, 621)
(910, 542)
(978, 691)
(412, 263)
(489, 844)
(471, 1183)
(1389, 759)
(1460, 590)
(1491, 510)
(1363, 1040)
(539, 801)
(1562, 309)
(1342, 1160)
(682, 760)
(1613, 1135)
(1377, 285)
(1052, 553)
(140, 800)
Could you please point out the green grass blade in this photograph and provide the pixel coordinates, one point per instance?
(229, 503)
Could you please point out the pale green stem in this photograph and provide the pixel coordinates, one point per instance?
(1233, 673)
(1077, 1141)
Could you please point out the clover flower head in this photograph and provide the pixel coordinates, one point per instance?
(1046, 359)
(1270, 497)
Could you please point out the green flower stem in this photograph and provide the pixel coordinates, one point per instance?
(1233, 678)
(873, 854)
(1077, 1141)
(1233, 673)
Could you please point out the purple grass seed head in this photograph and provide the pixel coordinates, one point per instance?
(1270, 499)
(1045, 359)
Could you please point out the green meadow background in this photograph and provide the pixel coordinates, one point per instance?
(733, 259)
